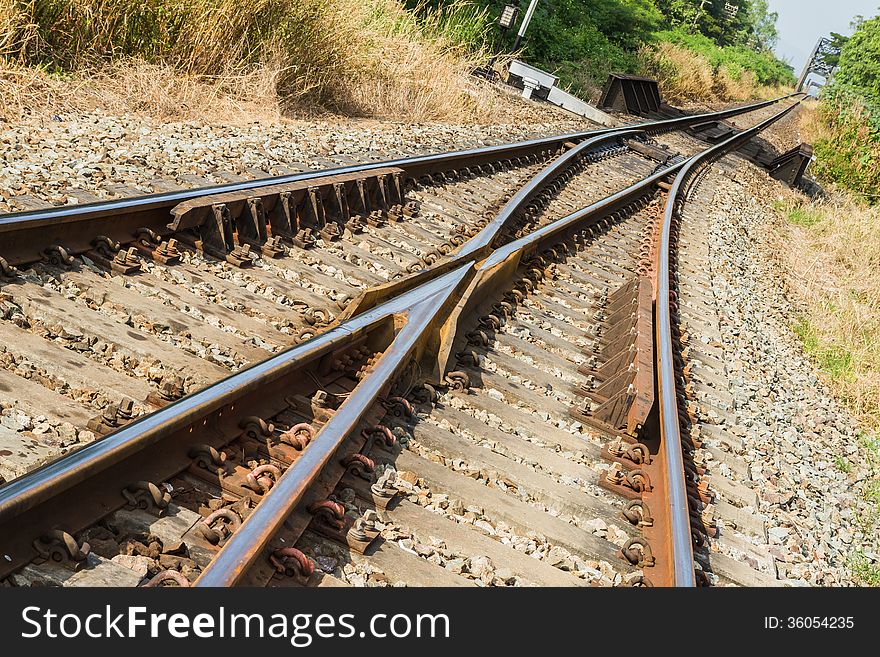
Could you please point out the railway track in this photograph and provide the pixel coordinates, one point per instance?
(437, 370)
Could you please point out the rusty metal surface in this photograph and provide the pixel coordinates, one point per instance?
(74, 475)
(679, 553)
(247, 545)
(74, 228)
(491, 276)
(630, 93)
(489, 235)
(622, 392)
(426, 317)
(159, 442)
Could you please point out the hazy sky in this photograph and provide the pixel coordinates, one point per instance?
(802, 22)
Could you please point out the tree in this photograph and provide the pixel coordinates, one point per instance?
(859, 62)
(838, 41)
(727, 22)
(762, 24)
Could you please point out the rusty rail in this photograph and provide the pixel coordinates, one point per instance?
(481, 245)
(420, 310)
(27, 235)
(94, 475)
(246, 546)
(679, 549)
(166, 435)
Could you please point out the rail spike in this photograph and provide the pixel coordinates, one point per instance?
(401, 333)
(147, 496)
(291, 562)
(60, 547)
(57, 256)
(219, 526)
(7, 271)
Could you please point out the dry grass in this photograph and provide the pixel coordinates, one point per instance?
(176, 58)
(682, 75)
(136, 87)
(17, 29)
(832, 252)
(162, 92)
(846, 138)
(834, 257)
(686, 76)
(809, 122)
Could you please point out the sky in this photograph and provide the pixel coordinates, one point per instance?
(802, 22)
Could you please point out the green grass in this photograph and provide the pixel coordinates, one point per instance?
(834, 360)
(871, 443)
(804, 217)
(838, 364)
(837, 361)
(807, 334)
(843, 465)
(872, 494)
(864, 571)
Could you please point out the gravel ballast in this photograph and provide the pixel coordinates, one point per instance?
(789, 429)
(793, 432)
(50, 158)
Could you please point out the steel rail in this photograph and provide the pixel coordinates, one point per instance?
(670, 436)
(245, 546)
(487, 237)
(42, 486)
(413, 165)
(480, 245)
(120, 439)
(117, 460)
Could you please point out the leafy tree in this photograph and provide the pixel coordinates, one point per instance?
(838, 41)
(583, 40)
(679, 13)
(860, 61)
(762, 24)
(727, 22)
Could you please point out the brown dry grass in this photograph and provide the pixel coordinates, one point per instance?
(809, 122)
(180, 59)
(834, 258)
(831, 250)
(136, 87)
(16, 27)
(685, 76)
(162, 92)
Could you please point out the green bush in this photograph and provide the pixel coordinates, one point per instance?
(848, 151)
(580, 54)
(860, 62)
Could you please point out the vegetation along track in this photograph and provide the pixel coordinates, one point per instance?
(437, 306)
